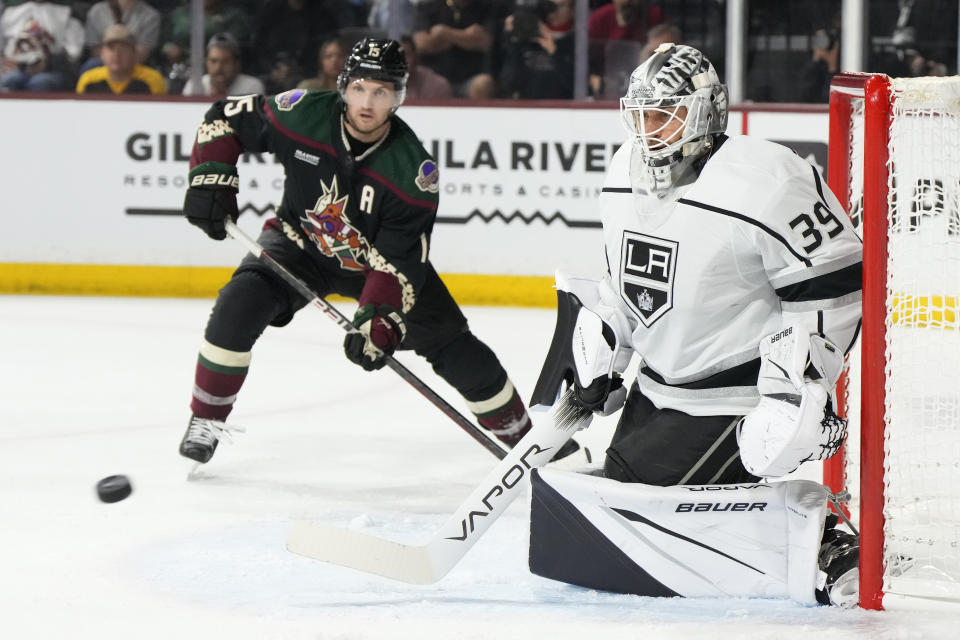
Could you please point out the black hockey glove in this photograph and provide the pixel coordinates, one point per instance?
(604, 395)
(379, 331)
(208, 207)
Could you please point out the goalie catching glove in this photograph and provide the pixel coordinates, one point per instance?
(794, 421)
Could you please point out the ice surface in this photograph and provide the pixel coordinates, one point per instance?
(92, 387)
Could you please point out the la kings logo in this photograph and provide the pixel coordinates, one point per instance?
(646, 274)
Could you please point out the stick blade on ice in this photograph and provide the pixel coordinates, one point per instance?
(357, 550)
(427, 563)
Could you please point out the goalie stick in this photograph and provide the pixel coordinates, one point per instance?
(427, 563)
(334, 314)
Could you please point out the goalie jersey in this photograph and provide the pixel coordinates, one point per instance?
(755, 243)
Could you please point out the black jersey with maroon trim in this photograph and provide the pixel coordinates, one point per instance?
(375, 211)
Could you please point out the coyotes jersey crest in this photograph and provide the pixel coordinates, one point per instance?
(327, 226)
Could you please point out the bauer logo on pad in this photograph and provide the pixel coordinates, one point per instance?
(647, 273)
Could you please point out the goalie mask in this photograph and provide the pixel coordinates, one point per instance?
(377, 59)
(674, 106)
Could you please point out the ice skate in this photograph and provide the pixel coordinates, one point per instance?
(202, 436)
(839, 560)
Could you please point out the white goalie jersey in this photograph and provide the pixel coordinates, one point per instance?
(703, 273)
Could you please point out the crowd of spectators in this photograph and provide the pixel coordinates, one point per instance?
(460, 49)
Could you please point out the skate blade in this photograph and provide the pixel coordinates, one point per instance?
(196, 472)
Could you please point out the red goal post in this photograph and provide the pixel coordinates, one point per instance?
(894, 163)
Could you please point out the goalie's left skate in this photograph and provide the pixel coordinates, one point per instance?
(839, 560)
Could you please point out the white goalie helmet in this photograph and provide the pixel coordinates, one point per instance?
(674, 106)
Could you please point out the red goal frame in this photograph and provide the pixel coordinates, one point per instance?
(874, 89)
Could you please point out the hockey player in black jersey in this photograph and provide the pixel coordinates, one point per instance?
(359, 202)
(735, 278)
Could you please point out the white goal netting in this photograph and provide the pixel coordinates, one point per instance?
(921, 535)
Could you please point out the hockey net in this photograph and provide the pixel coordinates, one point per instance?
(895, 164)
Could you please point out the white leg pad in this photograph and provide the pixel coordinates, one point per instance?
(745, 540)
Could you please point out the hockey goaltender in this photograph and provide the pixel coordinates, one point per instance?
(735, 276)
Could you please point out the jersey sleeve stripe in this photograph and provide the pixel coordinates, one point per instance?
(819, 269)
(326, 148)
(819, 183)
(426, 204)
(739, 216)
(223, 150)
(823, 304)
(739, 375)
(856, 334)
(827, 286)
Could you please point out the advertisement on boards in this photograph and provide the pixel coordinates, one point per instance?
(518, 187)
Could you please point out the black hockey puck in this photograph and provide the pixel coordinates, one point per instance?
(114, 488)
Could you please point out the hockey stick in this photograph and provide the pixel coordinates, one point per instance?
(334, 314)
(427, 563)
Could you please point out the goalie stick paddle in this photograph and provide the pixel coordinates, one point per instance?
(334, 314)
(427, 563)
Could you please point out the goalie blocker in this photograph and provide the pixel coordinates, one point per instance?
(589, 350)
(744, 540)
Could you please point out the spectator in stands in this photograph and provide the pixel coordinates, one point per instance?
(42, 43)
(120, 72)
(284, 74)
(140, 18)
(393, 17)
(657, 35)
(455, 39)
(623, 20)
(218, 17)
(913, 38)
(617, 32)
(424, 83)
(560, 20)
(291, 27)
(537, 61)
(330, 59)
(351, 13)
(223, 77)
(814, 81)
